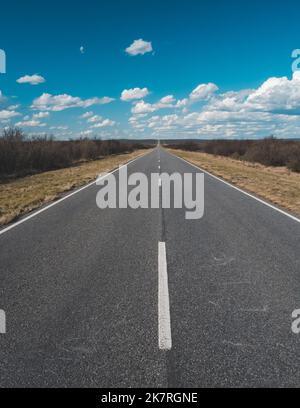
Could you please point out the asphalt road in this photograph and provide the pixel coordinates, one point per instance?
(80, 288)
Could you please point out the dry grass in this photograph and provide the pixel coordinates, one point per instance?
(23, 195)
(277, 185)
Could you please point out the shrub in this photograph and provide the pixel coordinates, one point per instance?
(20, 155)
(269, 151)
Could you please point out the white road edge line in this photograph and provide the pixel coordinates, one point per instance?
(34, 214)
(239, 189)
(164, 318)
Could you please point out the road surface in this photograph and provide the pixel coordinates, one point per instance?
(81, 291)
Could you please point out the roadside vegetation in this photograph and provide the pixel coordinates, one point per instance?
(269, 152)
(278, 185)
(36, 172)
(21, 156)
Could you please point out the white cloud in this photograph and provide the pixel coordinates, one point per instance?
(134, 93)
(143, 107)
(230, 101)
(276, 94)
(167, 100)
(203, 92)
(182, 103)
(104, 123)
(13, 107)
(59, 128)
(40, 115)
(139, 47)
(8, 114)
(95, 118)
(30, 123)
(31, 79)
(272, 108)
(87, 115)
(57, 103)
(82, 49)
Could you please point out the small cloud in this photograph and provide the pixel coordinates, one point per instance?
(30, 123)
(139, 47)
(167, 100)
(82, 49)
(143, 107)
(59, 128)
(95, 118)
(13, 107)
(8, 114)
(203, 92)
(182, 103)
(104, 123)
(57, 103)
(31, 79)
(135, 93)
(87, 115)
(40, 115)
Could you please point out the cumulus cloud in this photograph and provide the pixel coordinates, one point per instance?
(82, 49)
(31, 79)
(277, 94)
(13, 107)
(30, 123)
(40, 115)
(8, 114)
(59, 128)
(57, 103)
(134, 93)
(167, 100)
(182, 103)
(95, 118)
(272, 108)
(230, 101)
(203, 92)
(142, 107)
(139, 47)
(87, 115)
(104, 123)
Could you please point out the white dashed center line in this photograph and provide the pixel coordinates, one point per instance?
(164, 318)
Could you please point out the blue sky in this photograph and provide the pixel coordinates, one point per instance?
(200, 69)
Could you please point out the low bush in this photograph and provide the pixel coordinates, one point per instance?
(269, 151)
(20, 155)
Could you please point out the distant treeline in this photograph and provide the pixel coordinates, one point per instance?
(270, 151)
(20, 155)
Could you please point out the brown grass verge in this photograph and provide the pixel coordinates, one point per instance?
(278, 185)
(23, 195)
